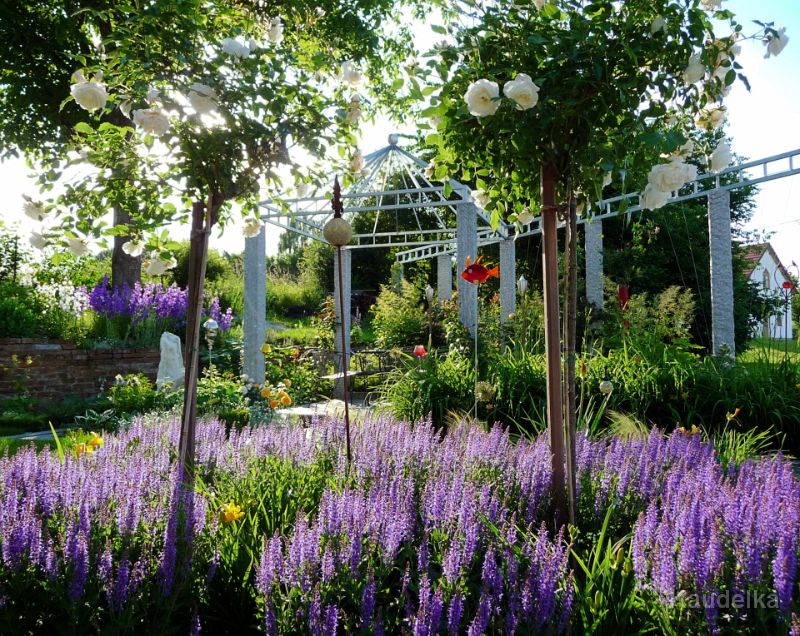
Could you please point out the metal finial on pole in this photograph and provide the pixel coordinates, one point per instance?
(337, 232)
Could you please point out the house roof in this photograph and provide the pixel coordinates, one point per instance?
(753, 253)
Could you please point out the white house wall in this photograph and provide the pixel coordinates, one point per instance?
(776, 278)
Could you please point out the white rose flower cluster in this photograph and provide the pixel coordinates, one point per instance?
(776, 43)
(350, 73)
(357, 162)
(134, 247)
(721, 157)
(236, 48)
(252, 227)
(89, 95)
(152, 121)
(158, 265)
(664, 179)
(483, 96)
(202, 98)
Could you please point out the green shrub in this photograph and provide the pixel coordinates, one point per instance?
(21, 312)
(290, 296)
(398, 318)
(133, 393)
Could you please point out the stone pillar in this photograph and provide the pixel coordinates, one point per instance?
(508, 279)
(719, 236)
(466, 245)
(444, 277)
(255, 304)
(593, 247)
(341, 313)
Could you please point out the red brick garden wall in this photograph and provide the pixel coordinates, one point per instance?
(52, 369)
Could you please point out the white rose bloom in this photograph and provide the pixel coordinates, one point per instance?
(158, 266)
(357, 161)
(133, 248)
(37, 240)
(481, 98)
(522, 91)
(151, 120)
(33, 209)
(275, 33)
(711, 5)
(235, 48)
(657, 24)
(711, 118)
(721, 157)
(607, 179)
(539, 4)
(526, 216)
(89, 95)
(152, 95)
(354, 110)
(776, 43)
(77, 246)
(202, 98)
(302, 190)
(252, 227)
(253, 44)
(435, 121)
(481, 198)
(653, 198)
(686, 149)
(350, 73)
(695, 71)
(671, 176)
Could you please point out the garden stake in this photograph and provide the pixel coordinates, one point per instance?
(338, 232)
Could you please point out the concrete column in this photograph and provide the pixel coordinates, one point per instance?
(444, 277)
(719, 236)
(508, 279)
(255, 304)
(466, 245)
(342, 313)
(593, 247)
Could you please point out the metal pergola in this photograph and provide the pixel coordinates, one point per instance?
(393, 183)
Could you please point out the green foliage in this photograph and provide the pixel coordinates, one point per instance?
(399, 318)
(20, 312)
(292, 296)
(290, 364)
(735, 446)
(132, 394)
(13, 256)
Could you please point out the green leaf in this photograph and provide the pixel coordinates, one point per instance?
(83, 128)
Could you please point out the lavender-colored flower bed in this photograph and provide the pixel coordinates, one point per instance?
(423, 534)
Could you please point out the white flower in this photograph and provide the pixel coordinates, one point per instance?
(776, 43)
(435, 121)
(526, 216)
(33, 209)
(157, 266)
(152, 95)
(90, 95)
(357, 161)
(539, 4)
(481, 98)
(522, 91)
(695, 71)
(302, 190)
(202, 98)
(38, 240)
(77, 246)
(686, 149)
(711, 118)
(350, 73)
(252, 227)
(607, 179)
(134, 247)
(653, 198)
(354, 110)
(711, 5)
(721, 157)
(253, 44)
(668, 177)
(151, 120)
(235, 48)
(657, 24)
(275, 33)
(481, 198)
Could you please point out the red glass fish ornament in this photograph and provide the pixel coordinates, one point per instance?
(477, 273)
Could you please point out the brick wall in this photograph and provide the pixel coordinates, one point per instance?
(52, 369)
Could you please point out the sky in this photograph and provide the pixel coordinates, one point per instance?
(762, 123)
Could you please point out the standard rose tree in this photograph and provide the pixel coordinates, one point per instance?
(209, 127)
(542, 106)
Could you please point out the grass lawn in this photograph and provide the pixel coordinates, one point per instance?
(770, 350)
(13, 445)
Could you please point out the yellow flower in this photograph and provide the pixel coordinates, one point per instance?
(287, 383)
(231, 512)
(265, 348)
(96, 441)
(694, 430)
(734, 415)
(682, 430)
(286, 400)
(80, 449)
(274, 403)
(265, 392)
